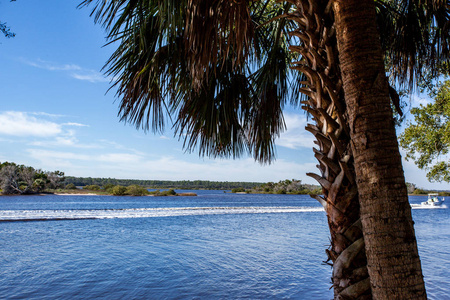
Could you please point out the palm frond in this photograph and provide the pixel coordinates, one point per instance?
(214, 118)
(415, 37)
(218, 68)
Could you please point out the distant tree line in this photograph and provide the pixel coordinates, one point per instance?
(116, 190)
(131, 190)
(287, 186)
(162, 184)
(21, 179)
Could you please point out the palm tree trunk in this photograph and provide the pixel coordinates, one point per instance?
(393, 261)
(325, 103)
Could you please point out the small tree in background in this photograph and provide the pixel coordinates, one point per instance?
(70, 186)
(136, 190)
(427, 139)
(118, 190)
(92, 187)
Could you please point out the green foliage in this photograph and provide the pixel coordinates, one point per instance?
(238, 190)
(108, 186)
(21, 179)
(118, 190)
(70, 186)
(136, 190)
(170, 192)
(293, 187)
(92, 187)
(107, 183)
(419, 192)
(427, 139)
(39, 185)
(225, 91)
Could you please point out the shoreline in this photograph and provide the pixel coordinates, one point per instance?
(75, 194)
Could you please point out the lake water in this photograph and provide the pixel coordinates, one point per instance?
(213, 246)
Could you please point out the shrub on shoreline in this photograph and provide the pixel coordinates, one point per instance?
(170, 192)
(136, 190)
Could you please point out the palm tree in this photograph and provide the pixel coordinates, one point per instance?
(391, 247)
(402, 43)
(227, 94)
(388, 230)
(316, 42)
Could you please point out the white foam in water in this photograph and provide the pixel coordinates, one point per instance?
(42, 215)
(425, 206)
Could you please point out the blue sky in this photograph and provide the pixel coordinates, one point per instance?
(56, 114)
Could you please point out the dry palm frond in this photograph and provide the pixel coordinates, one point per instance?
(415, 36)
(218, 68)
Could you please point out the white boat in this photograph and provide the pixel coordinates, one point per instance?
(433, 200)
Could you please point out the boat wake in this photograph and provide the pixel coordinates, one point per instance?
(425, 206)
(82, 214)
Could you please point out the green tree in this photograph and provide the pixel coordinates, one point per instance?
(108, 186)
(170, 192)
(237, 190)
(119, 190)
(136, 190)
(92, 187)
(39, 185)
(70, 186)
(54, 179)
(427, 139)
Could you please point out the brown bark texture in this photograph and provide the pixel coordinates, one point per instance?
(316, 43)
(393, 260)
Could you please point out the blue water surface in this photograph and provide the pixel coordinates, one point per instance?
(260, 254)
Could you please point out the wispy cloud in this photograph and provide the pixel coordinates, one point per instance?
(89, 75)
(71, 70)
(123, 158)
(40, 113)
(75, 124)
(295, 136)
(50, 66)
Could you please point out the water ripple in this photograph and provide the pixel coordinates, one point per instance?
(80, 214)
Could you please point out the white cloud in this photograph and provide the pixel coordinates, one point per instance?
(120, 158)
(75, 124)
(295, 136)
(89, 75)
(65, 141)
(72, 70)
(40, 113)
(50, 66)
(36, 129)
(23, 124)
(49, 155)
